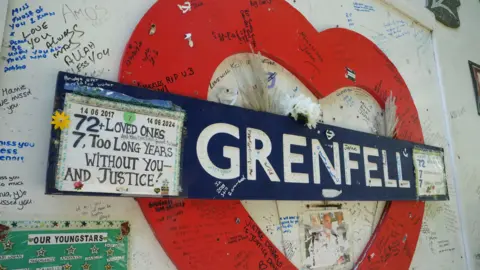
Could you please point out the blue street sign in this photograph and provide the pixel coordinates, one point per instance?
(149, 143)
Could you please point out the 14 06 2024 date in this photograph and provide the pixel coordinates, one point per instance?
(161, 122)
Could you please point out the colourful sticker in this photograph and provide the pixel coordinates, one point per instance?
(129, 117)
(60, 120)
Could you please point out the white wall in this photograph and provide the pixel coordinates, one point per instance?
(3, 15)
(454, 47)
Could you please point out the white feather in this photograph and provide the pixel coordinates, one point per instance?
(256, 95)
(390, 116)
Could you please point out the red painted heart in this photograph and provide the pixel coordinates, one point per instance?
(178, 45)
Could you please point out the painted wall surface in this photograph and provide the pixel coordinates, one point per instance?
(454, 48)
(3, 15)
(106, 26)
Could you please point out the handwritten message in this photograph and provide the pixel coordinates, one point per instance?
(457, 113)
(85, 56)
(257, 3)
(289, 248)
(245, 35)
(350, 21)
(260, 240)
(287, 223)
(96, 210)
(13, 193)
(27, 29)
(119, 148)
(11, 98)
(363, 7)
(223, 189)
(97, 15)
(171, 207)
(12, 150)
(396, 28)
(162, 85)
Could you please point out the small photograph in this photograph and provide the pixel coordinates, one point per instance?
(475, 73)
(325, 239)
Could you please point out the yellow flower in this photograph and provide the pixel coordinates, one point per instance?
(60, 120)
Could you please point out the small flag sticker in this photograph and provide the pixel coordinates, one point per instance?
(350, 74)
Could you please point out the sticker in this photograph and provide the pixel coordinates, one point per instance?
(65, 245)
(129, 117)
(188, 37)
(114, 147)
(429, 172)
(186, 7)
(331, 193)
(60, 120)
(330, 134)
(350, 74)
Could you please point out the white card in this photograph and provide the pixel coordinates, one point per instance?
(114, 147)
(429, 172)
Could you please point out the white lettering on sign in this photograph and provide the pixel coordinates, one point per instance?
(289, 158)
(115, 147)
(403, 183)
(335, 172)
(318, 154)
(232, 153)
(260, 155)
(66, 238)
(370, 166)
(388, 182)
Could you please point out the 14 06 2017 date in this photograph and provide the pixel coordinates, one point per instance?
(97, 112)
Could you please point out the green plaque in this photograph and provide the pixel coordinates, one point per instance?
(64, 245)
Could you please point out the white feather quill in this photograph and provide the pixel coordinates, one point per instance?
(256, 95)
(390, 116)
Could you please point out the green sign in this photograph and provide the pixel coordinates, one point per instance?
(55, 245)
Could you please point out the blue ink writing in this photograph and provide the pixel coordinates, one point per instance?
(10, 150)
(396, 28)
(272, 78)
(349, 19)
(21, 17)
(363, 7)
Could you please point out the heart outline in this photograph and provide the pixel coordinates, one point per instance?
(320, 64)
